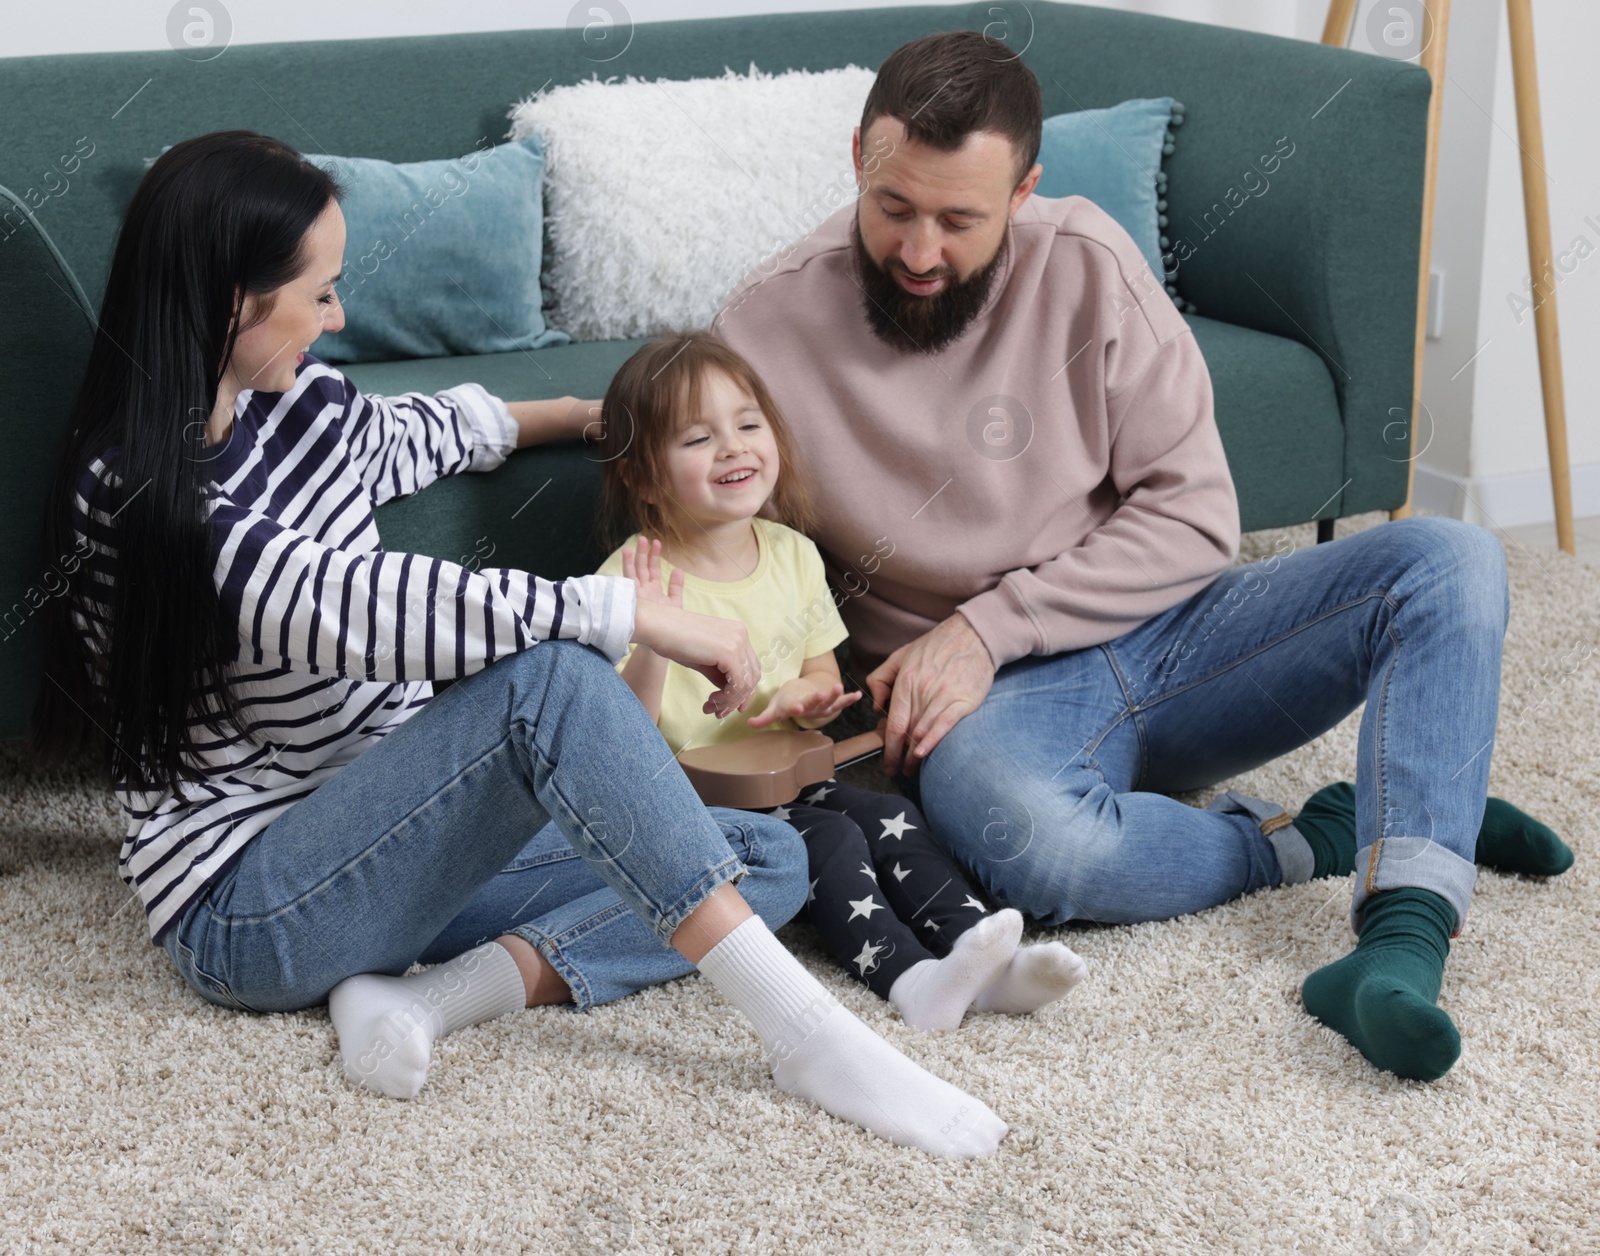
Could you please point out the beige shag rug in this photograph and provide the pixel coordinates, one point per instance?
(1180, 1100)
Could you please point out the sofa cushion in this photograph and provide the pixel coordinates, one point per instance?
(1113, 157)
(662, 194)
(441, 257)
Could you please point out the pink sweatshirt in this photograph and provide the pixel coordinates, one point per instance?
(1055, 474)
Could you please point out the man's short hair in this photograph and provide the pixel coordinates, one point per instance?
(944, 87)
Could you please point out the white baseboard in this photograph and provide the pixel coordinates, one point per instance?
(1502, 501)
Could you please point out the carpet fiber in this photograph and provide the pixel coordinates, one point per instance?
(1179, 1100)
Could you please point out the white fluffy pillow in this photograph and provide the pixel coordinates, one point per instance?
(661, 195)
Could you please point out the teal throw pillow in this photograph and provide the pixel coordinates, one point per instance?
(1113, 157)
(441, 257)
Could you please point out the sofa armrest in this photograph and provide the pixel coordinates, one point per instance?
(44, 355)
(1294, 198)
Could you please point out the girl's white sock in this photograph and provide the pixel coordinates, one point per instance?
(1036, 975)
(818, 1049)
(936, 993)
(387, 1025)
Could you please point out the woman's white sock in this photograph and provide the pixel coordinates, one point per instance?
(1036, 975)
(936, 993)
(818, 1049)
(387, 1025)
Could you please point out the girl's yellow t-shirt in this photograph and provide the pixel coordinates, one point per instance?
(791, 616)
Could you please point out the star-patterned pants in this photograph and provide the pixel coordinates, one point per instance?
(884, 895)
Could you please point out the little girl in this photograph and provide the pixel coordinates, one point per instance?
(697, 456)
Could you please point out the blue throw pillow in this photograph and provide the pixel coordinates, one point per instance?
(1113, 157)
(441, 257)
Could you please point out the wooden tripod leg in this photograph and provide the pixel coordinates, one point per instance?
(1536, 209)
(1337, 29)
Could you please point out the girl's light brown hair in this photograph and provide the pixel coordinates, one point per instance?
(652, 395)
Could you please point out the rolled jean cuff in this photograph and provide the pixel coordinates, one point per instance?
(584, 996)
(1295, 860)
(666, 920)
(1397, 863)
(597, 965)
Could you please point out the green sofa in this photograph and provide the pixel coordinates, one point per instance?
(1305, 289)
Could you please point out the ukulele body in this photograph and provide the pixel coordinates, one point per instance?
(769, 769)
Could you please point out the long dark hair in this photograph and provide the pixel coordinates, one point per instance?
(215, 217)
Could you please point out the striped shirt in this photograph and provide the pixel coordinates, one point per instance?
(339, 640)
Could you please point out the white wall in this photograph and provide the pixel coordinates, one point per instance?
(1483, 432)
(118, 25)
(1444, 433)
(1508, 445)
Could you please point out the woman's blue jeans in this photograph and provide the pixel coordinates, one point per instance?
(1053, 792)
(534, 797)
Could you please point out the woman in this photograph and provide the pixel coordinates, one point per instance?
(306, 818)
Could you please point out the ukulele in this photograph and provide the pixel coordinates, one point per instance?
(769, 769)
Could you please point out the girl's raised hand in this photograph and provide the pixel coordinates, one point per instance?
(644, 569)
(799, 698)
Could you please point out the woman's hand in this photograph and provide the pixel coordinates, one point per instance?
(801, 699)
(644, 569)
(719, 649)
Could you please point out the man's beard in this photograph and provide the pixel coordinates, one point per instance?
(922, 324)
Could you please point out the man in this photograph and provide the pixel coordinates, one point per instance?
(1030, 519)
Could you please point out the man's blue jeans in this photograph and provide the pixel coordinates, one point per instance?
(1053, 793)
(534, 797)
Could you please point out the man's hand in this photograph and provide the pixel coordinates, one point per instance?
(926, 686)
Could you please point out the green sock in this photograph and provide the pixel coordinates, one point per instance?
(1328, 823)
(1513, 841)
(1381, 996)
(1509, 839)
